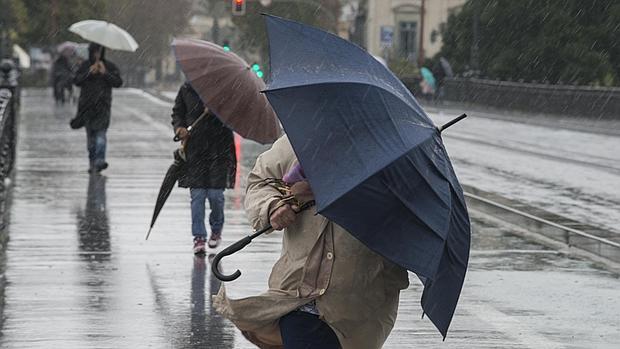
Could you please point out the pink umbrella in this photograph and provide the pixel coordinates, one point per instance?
(228, 87)
(67, 46)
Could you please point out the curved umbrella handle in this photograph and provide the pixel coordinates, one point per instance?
(237, 246)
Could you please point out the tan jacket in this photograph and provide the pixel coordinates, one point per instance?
(356, 290)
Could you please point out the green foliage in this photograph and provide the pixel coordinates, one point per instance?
(251, 26)
(45, 23)
(559, 41)
(403, 68)
(152, 23)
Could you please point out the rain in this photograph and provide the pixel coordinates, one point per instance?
(151, 148)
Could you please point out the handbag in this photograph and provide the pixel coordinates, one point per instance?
(78, 121)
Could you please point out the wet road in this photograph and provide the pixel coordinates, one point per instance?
(80, 275)
(565, 170)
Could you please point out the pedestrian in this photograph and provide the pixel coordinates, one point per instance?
(211, 164)
(96, 77)
(62, 76)
(327, 290)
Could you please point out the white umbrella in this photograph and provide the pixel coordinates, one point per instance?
(24, 58)
(105, 33)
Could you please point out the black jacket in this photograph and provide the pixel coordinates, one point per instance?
(62, 72)
(210, 152)
(96, 93)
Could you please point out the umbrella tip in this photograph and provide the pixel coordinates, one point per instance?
(148, 233)
(451, 122)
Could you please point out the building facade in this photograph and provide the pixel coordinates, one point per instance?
(406, 29)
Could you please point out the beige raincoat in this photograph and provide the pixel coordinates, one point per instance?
(355, 289)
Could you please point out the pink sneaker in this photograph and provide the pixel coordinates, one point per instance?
(199, 245)
(214, 240)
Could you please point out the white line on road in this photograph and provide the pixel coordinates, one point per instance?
(160, 126)
(149, 96)
(520, 331)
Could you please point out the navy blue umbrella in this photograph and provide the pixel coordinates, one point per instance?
(375, 161)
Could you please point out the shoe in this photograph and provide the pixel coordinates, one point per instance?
(199, 246)
(215, 239)
(102, 166)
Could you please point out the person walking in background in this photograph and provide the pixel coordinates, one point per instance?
(96, 77)
(211, 164)
(62, 76)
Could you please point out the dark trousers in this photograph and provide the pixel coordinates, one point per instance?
(96, 142)
(301, 330)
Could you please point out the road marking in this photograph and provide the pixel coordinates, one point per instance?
(148, 119)
(513, 328)
(149, 96)
(495, 252)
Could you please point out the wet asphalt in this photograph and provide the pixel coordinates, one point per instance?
(79, 273)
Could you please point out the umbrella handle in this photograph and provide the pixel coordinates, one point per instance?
(451, 122)
(237, 246)
(191, 127)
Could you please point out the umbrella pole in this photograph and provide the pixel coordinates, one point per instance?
(240, 245)
(189, 129)
(148, 233)
(451, 122)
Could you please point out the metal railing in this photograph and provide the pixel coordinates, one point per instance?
(578, 101)
(9, 105)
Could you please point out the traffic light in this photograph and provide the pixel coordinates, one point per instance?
(238, 7)
(256, 69)
(226, 45)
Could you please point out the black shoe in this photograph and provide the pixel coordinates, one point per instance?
(102, 166)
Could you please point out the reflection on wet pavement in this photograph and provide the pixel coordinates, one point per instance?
(94, 243)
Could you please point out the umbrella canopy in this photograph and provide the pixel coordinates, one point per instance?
(375, 161)
(68, 46)
(428, 76)
(447, 68)
(227, 86)
(22, 56)
(106, 34)
(172, 175)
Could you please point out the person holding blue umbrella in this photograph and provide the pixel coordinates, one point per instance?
(387, 198)
(328, 290)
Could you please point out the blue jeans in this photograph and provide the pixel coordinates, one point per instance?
(301, 330)
(96, 142)
(216, 217)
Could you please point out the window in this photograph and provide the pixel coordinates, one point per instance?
(407, 39)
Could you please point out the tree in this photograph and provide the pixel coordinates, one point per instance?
(152, 23)
(573, 41)
(45, 23)
(251, 26)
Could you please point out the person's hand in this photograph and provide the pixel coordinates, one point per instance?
(182, 133)
(282, 217)
(93, 68)
(102, 68)
(302, 191)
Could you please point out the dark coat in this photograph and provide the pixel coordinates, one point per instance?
(62, 72)
(96, 94)
(211, 161)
